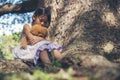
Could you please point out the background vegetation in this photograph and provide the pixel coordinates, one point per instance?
(7, 43)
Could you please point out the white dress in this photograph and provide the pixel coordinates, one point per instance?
(28, 52)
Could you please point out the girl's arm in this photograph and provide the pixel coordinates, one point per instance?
(47, 36)
(32, 39)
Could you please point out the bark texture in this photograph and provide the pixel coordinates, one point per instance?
(86, 27)
(25, 6)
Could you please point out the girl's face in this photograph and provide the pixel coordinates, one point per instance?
(42, 20)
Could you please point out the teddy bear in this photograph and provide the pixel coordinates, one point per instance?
(36, 30)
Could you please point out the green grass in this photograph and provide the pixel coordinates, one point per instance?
(6, 45)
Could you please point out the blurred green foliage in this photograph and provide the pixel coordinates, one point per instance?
(39, 75)
(7, 43)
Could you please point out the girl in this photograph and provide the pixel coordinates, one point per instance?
(40, 48)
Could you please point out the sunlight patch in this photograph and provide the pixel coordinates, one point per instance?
(108, 47)
(110, 19)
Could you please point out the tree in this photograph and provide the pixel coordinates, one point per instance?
(82, 27)
(18, 8)
(87, 27)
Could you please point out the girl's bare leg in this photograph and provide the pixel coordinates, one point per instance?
(57, 54)
(45, 58)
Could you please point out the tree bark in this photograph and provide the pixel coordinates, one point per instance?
(25, 6)
(86, 27)
(8, 66)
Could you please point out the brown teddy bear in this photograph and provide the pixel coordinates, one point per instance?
(36, 30)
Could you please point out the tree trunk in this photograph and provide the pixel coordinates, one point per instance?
(86, 27)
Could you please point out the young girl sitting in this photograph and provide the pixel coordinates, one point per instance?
(36, 30)
(41, 47)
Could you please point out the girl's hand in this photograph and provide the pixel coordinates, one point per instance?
(48, 38)
(35, 39)
(31, 39)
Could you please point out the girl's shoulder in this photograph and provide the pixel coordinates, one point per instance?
(28, 24)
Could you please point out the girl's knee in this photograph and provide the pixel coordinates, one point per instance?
(57, 54)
